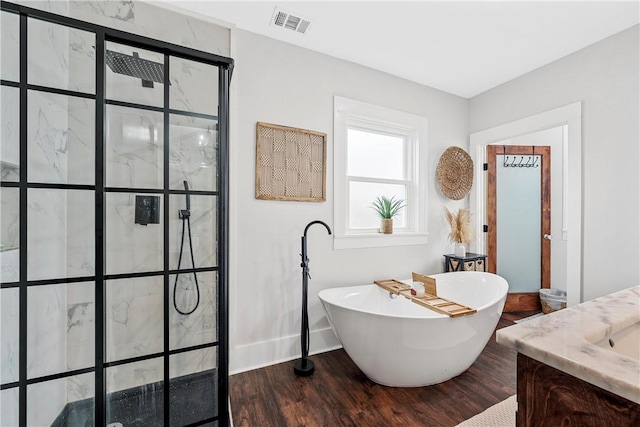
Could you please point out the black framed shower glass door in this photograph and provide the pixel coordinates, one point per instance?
(113, 227)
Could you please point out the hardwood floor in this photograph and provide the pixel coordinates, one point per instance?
(339, 394)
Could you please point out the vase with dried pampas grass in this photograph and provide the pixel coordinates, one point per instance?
(461, 231)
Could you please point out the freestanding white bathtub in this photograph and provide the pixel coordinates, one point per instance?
(398, 343)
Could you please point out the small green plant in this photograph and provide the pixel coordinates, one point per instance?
(387, 208)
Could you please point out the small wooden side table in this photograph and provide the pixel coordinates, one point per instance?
(469, 262)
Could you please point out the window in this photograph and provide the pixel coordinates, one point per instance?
(376, 165)
(378, 152)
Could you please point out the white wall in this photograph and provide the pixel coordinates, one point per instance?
(282, 84)
(605, 78)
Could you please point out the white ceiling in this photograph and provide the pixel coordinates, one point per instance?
(464, 48)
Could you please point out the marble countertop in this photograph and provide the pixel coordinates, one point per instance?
(566, 339)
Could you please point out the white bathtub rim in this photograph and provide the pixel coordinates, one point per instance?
(429, 314)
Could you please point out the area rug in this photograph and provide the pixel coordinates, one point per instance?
(502, 414)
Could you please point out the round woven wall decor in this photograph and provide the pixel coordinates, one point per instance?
(455, 173)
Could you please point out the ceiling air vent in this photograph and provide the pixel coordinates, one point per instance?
(283, 19)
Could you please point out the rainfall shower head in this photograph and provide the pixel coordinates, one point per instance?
(134, 66)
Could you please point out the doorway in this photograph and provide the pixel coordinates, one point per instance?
(519, 221)
(567, 187)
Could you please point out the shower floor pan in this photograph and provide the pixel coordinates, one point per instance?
(193, 398)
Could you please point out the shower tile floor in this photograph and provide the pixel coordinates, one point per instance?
(193, 398)
(339, 394)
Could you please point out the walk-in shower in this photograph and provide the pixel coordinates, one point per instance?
(113, 204)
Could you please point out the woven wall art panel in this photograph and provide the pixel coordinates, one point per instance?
(290, 163)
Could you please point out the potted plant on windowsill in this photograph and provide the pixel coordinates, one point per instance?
(387, 208)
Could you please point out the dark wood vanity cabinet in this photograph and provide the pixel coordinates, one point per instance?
(550, 397)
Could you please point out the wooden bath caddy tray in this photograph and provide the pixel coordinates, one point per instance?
(432, 302)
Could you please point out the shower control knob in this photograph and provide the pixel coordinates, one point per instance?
(548, 237)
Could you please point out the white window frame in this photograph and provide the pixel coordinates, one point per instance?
(352, 114)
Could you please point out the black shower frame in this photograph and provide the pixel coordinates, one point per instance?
(225, 66)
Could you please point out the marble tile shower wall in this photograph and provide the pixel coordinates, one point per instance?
(10, 113)
(143, 18)
(61, 238)
(47, 220)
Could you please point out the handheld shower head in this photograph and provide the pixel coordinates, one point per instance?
(186, 190)
(185, 213)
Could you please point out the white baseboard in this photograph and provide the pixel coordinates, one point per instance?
(266, 353)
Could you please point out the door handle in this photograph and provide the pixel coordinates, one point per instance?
(548, 236)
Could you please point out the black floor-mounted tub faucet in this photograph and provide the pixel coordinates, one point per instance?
(304, 367)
